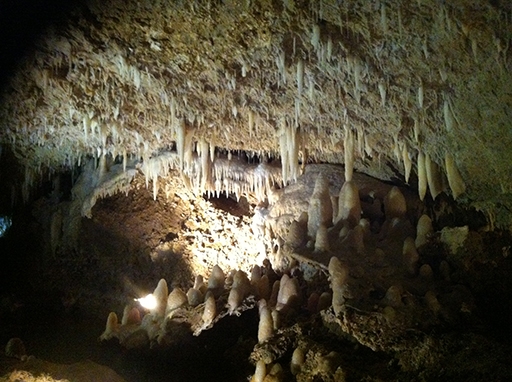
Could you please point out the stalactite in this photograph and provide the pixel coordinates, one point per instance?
(455, 181)
(300, 76)
(422, 176)
(407, 163)
(349, 154)
(433, 177)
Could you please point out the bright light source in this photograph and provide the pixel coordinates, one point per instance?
(149, 302)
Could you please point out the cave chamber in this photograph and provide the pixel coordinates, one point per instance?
(256, 190)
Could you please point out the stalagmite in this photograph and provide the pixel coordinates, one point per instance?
(111, 327)
(15, 348)
(394, 204)
(289, 293)
(199, 284)
(366, 228)
(266, 325)
(177, 298)
(355, 239)
(264, 287)
(260, 372)
(324, 301)
(432, 302)
(194, 297)
(320, 207)
(151, 325)
(235, 299)
(349, 204)
(217, 278)
(394, 296)
(255, 275)
(422, 176)
(276, 318)
(435, 184)
(210, 308)
(241, 281)
(454, 179)
(274, 375)
(348, 145)
(275, 291)
(426, 272)
(410, 255)
(297, 235)
(131, 316)
(161, 294)
(345, 230)
(241, 286)
(322, 239)
(423, 230)
(298, 359)
(339, 276)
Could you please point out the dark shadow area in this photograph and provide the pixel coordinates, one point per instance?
(22, 23)
(229, 204)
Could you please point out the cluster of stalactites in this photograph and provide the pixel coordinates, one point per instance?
(208, 172)
(100, 182)
(430, 173)
(289, 150)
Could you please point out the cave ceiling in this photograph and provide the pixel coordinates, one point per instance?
(400, 82)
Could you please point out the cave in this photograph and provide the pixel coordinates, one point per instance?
(256, 190)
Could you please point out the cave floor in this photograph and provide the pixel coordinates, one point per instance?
(57, 303)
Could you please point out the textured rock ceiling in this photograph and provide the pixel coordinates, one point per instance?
(400, 80)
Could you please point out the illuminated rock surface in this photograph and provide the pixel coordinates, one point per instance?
(156, 140)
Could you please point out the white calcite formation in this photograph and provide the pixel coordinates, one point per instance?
(349, 205)
(395, 205)
(423, 230)
(355, 275)
(161, 294)
(177, 298)
(210, 308)
(320, 207)
(455, 180)
(339, 274)
(266, 324)
(298, 358)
